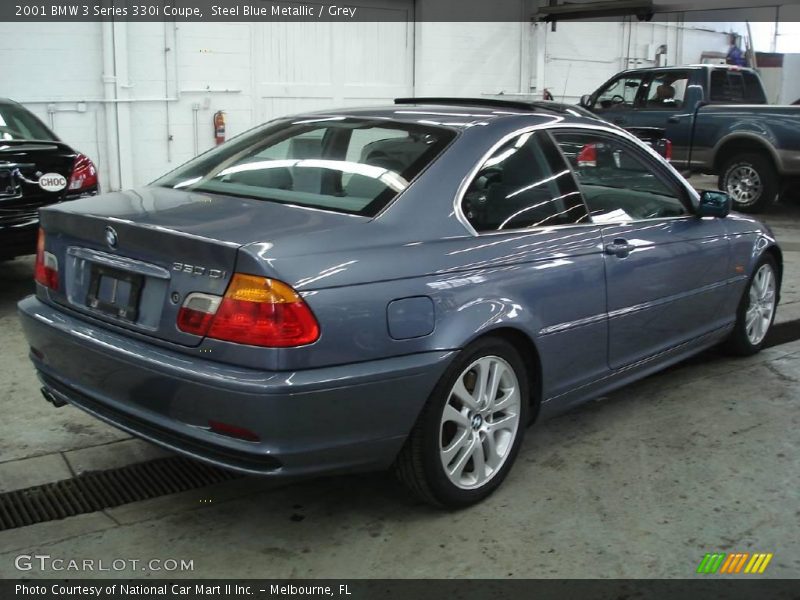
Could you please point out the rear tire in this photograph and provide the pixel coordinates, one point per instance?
(465, 441)
(751, 181)
(756, 310)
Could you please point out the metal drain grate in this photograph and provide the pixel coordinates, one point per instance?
(97, 490)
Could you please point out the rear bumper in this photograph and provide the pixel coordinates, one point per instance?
(334, 419)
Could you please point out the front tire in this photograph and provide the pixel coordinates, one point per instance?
(468, 435)
(756, 310)
(751, 181)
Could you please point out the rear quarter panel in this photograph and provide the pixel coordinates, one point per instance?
(549, 284)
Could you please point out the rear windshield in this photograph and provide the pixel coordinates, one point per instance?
(16, 123)
(342, 164)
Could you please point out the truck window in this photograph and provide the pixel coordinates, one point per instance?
(666, 90)
(739, 87)
(753, 90)
(619, 93)
(724, 89)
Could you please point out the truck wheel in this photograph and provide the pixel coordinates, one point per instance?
(751, 181)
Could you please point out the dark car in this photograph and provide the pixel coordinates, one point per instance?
(717, 120)
(403, 286)
(36, 170)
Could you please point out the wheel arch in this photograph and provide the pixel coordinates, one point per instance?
(742, 143)
(777, 255)
(529, 353)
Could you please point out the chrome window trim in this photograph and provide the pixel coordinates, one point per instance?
(561, 124)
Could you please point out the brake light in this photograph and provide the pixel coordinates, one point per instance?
(46, 268)
(255, 310)
(84, 175)
(668, 149)
(587, 157)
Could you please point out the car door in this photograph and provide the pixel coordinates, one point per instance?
(616, 101)
(666, 269)
(536, 252)
(661, 99)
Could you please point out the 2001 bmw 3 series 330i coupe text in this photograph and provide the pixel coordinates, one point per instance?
(405, 286)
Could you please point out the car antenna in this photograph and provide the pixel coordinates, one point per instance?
(566, 81)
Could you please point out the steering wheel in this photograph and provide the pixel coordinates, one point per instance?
(617, 99)
(487, 177)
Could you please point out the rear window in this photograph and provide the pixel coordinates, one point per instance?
(348, 165)
(736, 87)
(16, 123)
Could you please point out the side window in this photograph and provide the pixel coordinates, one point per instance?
(726, 86)
(617, 181)
(525, 183)
(666, 90)
(753, 90)
(620, 93)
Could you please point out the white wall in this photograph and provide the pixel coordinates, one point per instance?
(463, 59)
(55, 64)
(165, 75)
(578, 57)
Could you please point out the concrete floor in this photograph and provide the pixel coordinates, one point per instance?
(703, 457)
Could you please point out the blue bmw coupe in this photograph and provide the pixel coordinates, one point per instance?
(405, 286)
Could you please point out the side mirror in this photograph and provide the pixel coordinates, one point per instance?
(585, 101)
(714, 203)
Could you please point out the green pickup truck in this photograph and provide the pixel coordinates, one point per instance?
(718, 122)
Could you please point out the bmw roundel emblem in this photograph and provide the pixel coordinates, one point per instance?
(111, 237)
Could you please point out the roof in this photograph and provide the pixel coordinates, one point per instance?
(459, 112)
(692, 66)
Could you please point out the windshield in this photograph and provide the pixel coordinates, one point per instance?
(16, 123)
(348, 165)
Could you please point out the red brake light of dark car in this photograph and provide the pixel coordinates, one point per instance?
(46, 268)
(255, 310)
(587, 157)
(668, 149)
(84, 175)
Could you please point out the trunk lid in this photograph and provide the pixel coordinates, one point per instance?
(22, 163)
(131, 258)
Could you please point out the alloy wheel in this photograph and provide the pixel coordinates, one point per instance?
(479, 422)
(761, 307)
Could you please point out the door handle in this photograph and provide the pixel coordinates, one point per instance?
(619, 247)
(673, 120)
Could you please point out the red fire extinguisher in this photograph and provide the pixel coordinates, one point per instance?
(219, 127)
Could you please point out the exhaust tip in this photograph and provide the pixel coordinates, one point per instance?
(52, 399)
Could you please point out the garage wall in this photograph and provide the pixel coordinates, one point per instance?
(578, 57)
(463, 59)
(151, 108)
(53, 65)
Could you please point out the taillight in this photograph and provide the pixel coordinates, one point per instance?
(84, 175)
(587, 157)
(197, 312)
(46, 269)
(668, 149)
(255, 310)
